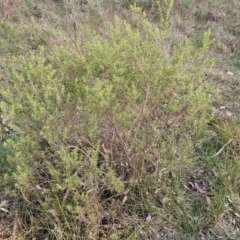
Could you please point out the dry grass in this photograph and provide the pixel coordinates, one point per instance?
(204, 205)
(9, 9)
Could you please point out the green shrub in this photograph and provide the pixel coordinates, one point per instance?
(120, 120)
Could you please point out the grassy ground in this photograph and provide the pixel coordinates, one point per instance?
(199, 198)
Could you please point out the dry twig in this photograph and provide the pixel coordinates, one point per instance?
(219, 152)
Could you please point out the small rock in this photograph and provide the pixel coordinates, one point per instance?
(149, 218)
(228, 113)
(230, 73)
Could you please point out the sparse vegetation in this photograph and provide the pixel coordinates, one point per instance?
(119, 120)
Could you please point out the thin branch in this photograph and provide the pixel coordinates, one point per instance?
(124, 145)
(82, 151)
(66, 3)
(88, 142)
(140, 117)
(68, 189)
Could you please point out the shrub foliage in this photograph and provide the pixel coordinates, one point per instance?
(104, 134)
